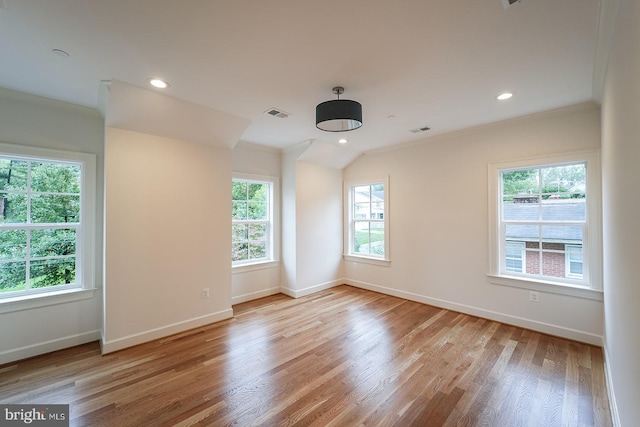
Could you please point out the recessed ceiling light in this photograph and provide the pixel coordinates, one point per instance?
(504, 96)
(159, 83)
(342, 141)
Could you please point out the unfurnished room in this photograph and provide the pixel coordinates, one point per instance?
(337, 213)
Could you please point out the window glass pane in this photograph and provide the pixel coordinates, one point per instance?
(361, 211)
(377, 193)
(257, 249)
(532, 258)
(239, 210)
(564, 210)
(239, 190)
(258, 192)
(377, 210)
(239, 232)
(48, 208)
(523, 233)
(55, 178)
(361, 237)
(362, 193)
(514, 252)
(562, 234)
(14, 208)
(13, 244)
(13, 276)
(521, 209)
(257, 210)
(257, 231)
(13, 175)
(553, 263)
(52, 272)
(521, 184)
(377, 238)
(45, 243)
(239, 251)
(564, 182)
(575, 268)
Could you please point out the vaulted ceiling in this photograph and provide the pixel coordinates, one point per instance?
(411, 63)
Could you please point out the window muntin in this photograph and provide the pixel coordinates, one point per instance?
(252, 225)
(544, 208)
(367, 220)
(40, 225)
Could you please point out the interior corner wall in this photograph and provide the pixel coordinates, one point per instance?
(39, 122)
(167, 236)
(621, 228)
(311, 225)
(439, 221)
(318, 227)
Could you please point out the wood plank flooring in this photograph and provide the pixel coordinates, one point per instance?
(341, 357)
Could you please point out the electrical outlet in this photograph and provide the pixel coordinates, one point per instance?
(534, 296)
(205, 293)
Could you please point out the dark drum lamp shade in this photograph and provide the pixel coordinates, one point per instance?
(338, 115)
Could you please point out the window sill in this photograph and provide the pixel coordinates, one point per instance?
(545, 286)
(367, 260)
(243, 268)
(27, 302)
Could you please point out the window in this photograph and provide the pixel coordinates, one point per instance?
(545, 222)
(514, 256)
(252, 219)
(367, 230)
(46, 221)
(573, 261)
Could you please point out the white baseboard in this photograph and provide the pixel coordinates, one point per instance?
(535, 325)
(14, 354)
(255, 295)
(150, 335)
(613, 406)
(297, 293)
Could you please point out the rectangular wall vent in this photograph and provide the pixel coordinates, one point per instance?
(422, 129)
(508, 3)
(276, 112)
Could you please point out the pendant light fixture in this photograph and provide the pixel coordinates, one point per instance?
(338, 115)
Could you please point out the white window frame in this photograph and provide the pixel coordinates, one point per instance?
(590, 286)
(85, 285)
(349, 223)
(273, 230)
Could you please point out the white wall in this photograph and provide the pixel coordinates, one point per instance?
(318, 227)
(168, 236)
(621, 228)
(30, 120)
(252, 283)
(311, 225)
(439, 221)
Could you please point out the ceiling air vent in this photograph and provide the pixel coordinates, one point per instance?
(275, 112)
(422, 129)
(508, 3)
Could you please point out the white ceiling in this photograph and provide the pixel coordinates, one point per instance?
(411, 63)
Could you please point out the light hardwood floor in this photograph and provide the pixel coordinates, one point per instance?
(341, 357)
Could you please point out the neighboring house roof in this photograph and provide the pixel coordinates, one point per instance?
(551, 211)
